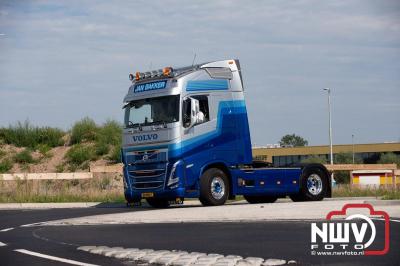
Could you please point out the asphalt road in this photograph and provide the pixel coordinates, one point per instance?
(289, 240)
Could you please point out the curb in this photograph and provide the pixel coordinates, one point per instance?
(59, 205)
(71, 205)
(383, 202)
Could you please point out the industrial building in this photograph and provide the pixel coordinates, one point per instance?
(281, 156)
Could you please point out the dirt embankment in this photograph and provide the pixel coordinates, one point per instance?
(49, 162)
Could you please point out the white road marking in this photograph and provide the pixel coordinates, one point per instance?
(381, 219)
(74, 262)
(2, 244)
(7, 229)
(28, 225)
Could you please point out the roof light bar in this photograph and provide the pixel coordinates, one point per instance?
(165, 72)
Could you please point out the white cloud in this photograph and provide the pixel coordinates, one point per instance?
(78, 54)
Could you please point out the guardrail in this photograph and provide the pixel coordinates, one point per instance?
(353, 167)
(115, 168)
(46, 176)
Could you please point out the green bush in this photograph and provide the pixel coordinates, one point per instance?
(84, 130)
(115, 155)
(43, 149)
(390, 157)
(5, 165)
(2, 153)
(24, 157)
(346, 158)
(342, 177)
(314, 159)
(79, 154)
(102, 148)
(26, 135)
(110, 133)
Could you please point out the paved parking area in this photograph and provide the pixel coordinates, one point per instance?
(194, 212)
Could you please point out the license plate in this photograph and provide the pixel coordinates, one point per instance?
(147, 195)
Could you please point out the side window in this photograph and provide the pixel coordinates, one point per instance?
(203, 104)
(204, 115)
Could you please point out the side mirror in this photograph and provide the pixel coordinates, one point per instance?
(191, 109)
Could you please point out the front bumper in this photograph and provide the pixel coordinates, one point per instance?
(155, 177)
(136, 195)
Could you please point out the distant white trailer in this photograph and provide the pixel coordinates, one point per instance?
(374, 177)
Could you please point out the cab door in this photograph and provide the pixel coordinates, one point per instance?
(197, 138)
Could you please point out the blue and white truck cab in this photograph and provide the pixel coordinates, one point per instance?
(187, 135)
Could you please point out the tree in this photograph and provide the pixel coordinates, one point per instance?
(343, 177)
(314, 159)
(346, 158)
(390, 157)
(293, 140)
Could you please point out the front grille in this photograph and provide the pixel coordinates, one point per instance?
(147, 173)
(148, 176)
(147, 169)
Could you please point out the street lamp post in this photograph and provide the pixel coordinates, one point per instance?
(330, 123)
(352, 143)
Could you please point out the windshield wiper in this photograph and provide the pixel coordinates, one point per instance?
(133, 125)
(163, 122)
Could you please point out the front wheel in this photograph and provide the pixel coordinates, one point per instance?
(260, 199)
(314, 185)
(214, 187)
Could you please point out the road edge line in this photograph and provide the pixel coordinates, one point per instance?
(44, 256)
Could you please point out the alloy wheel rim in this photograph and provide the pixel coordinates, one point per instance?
(217, 188)
(314, 184)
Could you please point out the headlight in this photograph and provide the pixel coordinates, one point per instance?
(173, 179)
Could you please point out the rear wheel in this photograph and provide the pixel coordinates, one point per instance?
(260, 199)
(214, 187)
(158, 203)
(314, 185)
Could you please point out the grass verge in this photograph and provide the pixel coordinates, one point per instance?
(383, 192)
(104, 188)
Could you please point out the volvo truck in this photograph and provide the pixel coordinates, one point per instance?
(186, 135)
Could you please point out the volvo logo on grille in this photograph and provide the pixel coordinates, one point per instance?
(145, 157)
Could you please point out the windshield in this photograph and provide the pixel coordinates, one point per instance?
(152, 111)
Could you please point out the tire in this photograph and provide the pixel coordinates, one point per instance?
(314, 185)
(158, 203)
(260, 199)
(214, 187)
(128, 199)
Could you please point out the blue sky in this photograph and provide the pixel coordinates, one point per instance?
(63, 60)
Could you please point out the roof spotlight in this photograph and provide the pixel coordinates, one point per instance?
(131, 77)
(137, 76)
(167, 71)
